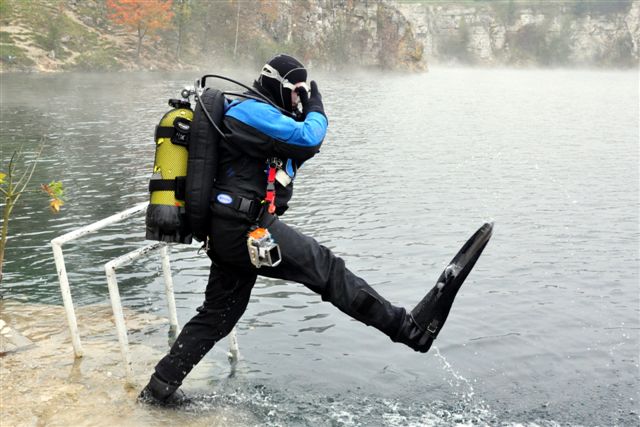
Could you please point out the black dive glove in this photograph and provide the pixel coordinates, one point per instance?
(311, 102)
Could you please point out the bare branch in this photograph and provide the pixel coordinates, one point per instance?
(33, 168)
(12, 167)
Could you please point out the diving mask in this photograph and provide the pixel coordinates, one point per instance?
(269, 71)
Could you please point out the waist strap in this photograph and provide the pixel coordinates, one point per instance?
(251, 207)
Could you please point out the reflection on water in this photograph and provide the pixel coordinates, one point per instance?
(546, 327)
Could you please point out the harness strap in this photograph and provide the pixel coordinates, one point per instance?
(164, 132)
(176, 185)
(178, 132)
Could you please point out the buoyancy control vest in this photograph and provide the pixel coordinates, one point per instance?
(185, 168)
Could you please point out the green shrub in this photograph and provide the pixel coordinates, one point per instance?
(49, 40)
(5, 38)
(97, 60)
(14, 56)
(60, 33)
(5, 9)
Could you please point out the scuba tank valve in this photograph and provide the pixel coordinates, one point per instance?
(187, 92)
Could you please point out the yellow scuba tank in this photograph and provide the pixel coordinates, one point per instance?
(166, 220)
(186, 164)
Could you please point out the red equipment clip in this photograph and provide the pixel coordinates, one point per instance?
(270, 197)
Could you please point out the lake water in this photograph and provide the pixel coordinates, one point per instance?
(544, 332)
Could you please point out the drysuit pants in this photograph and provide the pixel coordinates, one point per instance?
(232, 277)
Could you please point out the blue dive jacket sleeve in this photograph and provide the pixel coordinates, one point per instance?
(297, 140)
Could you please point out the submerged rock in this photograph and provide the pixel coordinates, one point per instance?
(12, 340)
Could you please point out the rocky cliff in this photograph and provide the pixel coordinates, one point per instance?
(362, 33)
(333, 34)
(527, 33)
(50, 35)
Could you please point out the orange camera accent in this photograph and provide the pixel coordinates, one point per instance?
(258, 233)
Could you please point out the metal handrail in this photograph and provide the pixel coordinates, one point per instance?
(114, 293)
(58, 256)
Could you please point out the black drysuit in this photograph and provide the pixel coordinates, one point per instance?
(255, 132)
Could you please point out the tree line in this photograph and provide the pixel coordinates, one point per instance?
(190, 29)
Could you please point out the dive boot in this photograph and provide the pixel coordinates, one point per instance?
(160, 393)
(420, 327)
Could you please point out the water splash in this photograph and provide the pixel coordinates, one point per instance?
(467, 410)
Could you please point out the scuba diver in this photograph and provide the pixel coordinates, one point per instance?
(266, 139)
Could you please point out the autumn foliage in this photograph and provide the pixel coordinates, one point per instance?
(56, 192)
(143, 16)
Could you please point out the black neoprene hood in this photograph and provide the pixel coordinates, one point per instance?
(289, 69)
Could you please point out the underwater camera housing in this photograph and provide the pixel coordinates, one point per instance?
(263, 250)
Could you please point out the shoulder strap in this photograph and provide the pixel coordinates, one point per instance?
(202, 163)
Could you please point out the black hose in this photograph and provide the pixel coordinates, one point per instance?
(206, 113)
(258, 97)
(250, 89)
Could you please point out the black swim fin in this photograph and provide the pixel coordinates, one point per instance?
(422, 325)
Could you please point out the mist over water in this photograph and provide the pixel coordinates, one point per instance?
(546, 328)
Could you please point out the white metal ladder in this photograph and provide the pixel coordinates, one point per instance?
(114, 293)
